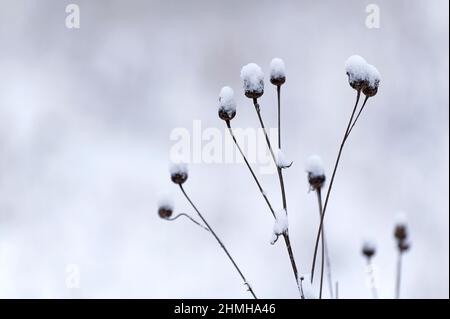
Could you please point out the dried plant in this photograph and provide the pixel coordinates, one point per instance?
(364, 79)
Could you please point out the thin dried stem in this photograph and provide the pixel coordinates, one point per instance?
(279, 115)
(250, 289)
(357, 116)
(330, 187)
(319, 200)
(283, 196)
(372, 281)
(188, 217)
(250, 169)
(399, 275)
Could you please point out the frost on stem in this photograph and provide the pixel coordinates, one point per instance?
(362, 76)
(165, 206)
(253, 78)
(277, 72)
(227, 104)
(316, 172)
(280, 226)
(281, 160)
(178, 173)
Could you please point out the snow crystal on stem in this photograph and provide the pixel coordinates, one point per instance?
(281, 160)
(280, 226)
(227, 104)
(277, 71)
(253, 78)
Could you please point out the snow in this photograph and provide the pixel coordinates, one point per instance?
(358, 70)
(178, 168)
(401, 219)
(281, 160)
(165, 201)
(280, 226)
(314, 166)
(226, 100)
(277, 69)
(253, 78)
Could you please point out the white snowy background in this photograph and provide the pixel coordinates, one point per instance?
(85, 118)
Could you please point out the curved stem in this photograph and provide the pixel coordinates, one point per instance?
(250, 169)
(219, 241)
(331, 186)
(283, 197)
(189, 217)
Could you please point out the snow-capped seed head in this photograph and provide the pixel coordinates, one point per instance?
(373, 81)
(277, 72)
(227, 104)
(369, 249)
(165, 206)
(356, 69)
(178, 173)
(253, 78)
(281, 160)
(316, 172)
(401, 231)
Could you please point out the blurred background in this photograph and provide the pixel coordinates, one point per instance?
(85, 120)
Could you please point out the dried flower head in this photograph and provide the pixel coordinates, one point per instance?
(316, 172)
(165, 206)
(227, 104)
(362, 76)
(253, 78)
(369, 249)
(178, 173)
(277, 72)
(401, 233)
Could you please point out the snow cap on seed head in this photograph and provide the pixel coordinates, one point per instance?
(369, 248)
(362, 76)
(277, 72)
(316, 172)
(178, 172)
(253, 78)
(227, 104)
(165, 205)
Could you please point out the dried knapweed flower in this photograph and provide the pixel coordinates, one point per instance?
(178, 173)
(253, 78)
(362, 76)
(401, 233)
(165, 206)
(281, 160)
(369, 249)
(280, 226)
(277, 72)
(316, 172)
(227, 104)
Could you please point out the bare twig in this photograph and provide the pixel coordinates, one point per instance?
(319, 199)
(331, 185)
(279, 115)
(250, 289)
(373, 284)
(357, 117)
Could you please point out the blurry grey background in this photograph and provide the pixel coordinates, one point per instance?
(85, 118)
